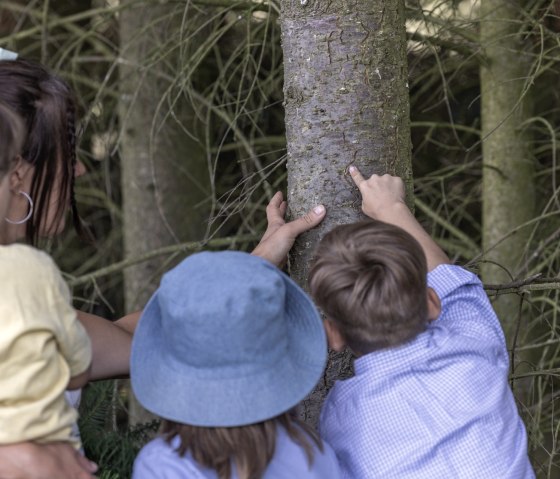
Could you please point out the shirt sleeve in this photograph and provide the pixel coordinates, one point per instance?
(465, 307)
(73, 341)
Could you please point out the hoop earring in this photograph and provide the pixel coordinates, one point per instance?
(20, 222)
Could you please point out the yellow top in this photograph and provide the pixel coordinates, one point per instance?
(42, 345)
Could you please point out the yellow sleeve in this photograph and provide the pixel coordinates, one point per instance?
(34, 369)
(73, 341)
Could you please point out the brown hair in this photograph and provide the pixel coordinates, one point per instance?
(369, 278)
(248, 448)
(11, 138)
(46, 105)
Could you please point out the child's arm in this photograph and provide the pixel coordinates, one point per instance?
(110, 346)
(80, 380)
(111, 340)
(383, 199)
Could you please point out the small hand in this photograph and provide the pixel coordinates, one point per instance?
(383, 199)
(379, 193)
(59, 460)
(279, 236)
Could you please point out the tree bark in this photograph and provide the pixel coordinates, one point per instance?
(346, 102)
(508, 195)
(165, 176)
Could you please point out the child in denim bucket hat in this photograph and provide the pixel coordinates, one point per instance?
(225, 348)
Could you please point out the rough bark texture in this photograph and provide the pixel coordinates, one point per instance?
(346, 101)
(508, 169)
(164, 175)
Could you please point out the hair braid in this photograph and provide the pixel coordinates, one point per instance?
(71, 133)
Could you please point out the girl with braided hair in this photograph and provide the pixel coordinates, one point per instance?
(42, 184)
(28, 459)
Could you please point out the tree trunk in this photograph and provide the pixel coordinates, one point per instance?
(164, 171)
(346, 102)
(508, 171)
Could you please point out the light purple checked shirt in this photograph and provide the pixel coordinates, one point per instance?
(437, 407)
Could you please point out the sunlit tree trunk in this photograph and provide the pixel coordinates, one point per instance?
(164, 171)
(508, 171)
(346, 101)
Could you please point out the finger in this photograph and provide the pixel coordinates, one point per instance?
(283, 207)
(356, 176)
(276, 200)
(88, 465)
(273, 209)
(306, 222)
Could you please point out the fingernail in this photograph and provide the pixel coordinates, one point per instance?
(319, 210)
(352, 169)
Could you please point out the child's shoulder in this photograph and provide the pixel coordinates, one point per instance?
(290, 458)
(21, 257)
(20, 262)
(463, 298)
(159, 458)
(447, 278)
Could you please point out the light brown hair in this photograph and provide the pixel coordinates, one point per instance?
(11, 138)
(248, 448)
(369, 278)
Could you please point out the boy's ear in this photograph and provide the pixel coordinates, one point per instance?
(336, 341)
(20, 172)
(434, 305)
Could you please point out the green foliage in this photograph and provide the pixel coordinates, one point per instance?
(106, 436)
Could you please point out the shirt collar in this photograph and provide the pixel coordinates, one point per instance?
(391, 361)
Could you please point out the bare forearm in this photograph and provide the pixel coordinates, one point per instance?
(399, 215)
(110, 346)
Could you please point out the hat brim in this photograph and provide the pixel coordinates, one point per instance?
(188, 397)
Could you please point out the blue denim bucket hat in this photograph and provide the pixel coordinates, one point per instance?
(226, 340)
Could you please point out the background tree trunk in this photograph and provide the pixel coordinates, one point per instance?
(164, 171)
(508, 196)
(346, 102)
